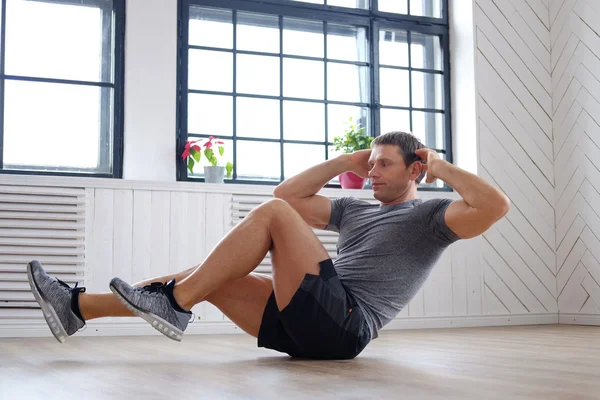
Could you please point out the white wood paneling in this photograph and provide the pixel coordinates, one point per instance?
(516, 89)
(576, 120)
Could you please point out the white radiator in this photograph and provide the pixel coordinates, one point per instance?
(42, 223)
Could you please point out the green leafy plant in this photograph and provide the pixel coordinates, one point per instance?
(193, 153)
(354, 139)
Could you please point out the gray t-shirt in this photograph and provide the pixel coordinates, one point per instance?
(386, 253)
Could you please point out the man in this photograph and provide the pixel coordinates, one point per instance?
(311, 307)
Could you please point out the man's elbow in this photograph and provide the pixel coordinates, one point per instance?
(501, 206)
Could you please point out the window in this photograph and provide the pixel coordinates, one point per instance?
(61, 88)
(278, 80)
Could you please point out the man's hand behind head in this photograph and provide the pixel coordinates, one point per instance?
(359, 162)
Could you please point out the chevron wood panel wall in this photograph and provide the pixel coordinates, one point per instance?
(575, 63)
(516, 153)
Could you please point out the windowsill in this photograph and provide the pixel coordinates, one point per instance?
(227, 188)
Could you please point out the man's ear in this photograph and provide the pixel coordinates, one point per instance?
(415, 170)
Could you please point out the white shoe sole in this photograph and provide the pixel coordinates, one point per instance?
(47, 310)
(164, 327)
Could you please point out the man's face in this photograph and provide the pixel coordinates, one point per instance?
(388, 173)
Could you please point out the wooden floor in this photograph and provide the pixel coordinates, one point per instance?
(533, 362)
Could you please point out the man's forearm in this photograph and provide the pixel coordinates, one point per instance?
(309, 182)
(474, 190)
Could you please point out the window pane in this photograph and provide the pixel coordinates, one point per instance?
(338, 117)
(429, 127)
(299, 157)
(426, 8)
(52, 40)
(339, 120)
(393, 48)
(258, 74)
(426, 51)
(303, 38)
(210, 115)
(303, 79)
(394, 6)
(54, 125)
(394, 120)
(210, 70)
(303, 121)
(257, 32)
(394, 89)
(346, 82)
(427, 90)
(347, 43)
(257, 118)
(258, 160)
(211, 27)
(222, 160)
(349, 3)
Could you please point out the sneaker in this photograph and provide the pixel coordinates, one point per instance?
(59, 302)
(156, 304)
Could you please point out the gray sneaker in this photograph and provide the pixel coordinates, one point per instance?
(59, 302)
(156, 304)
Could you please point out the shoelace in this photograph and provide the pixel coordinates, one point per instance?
(158, 288)
(154, 287)
(70, 289)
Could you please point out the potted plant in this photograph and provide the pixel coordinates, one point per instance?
(213, 173)
(354, 139)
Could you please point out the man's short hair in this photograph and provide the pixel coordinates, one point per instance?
(407, 145)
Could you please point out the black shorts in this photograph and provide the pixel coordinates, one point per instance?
(322, 321)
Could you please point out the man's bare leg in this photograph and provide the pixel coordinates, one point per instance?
(275, 226)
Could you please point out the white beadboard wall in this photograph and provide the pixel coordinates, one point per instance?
(138, 230)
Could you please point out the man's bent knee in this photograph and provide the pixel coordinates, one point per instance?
(271, 208)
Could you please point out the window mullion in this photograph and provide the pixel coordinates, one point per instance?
(325, 90)
(281, 146)
(234, 133)
(374, 59)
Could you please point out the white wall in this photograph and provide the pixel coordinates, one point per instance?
(150, 90)
(516, 152)
(576, 120)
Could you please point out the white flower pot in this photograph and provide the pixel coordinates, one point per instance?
(214, 174)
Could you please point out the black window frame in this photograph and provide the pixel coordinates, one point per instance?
(370, 18)
(117, 16)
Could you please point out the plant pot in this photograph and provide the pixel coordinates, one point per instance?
(214, 174)
(349, 180)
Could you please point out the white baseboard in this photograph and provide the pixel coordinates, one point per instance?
(136, 327)
(471, 321)
(579, 319)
